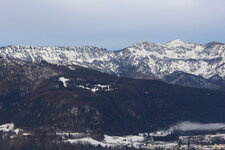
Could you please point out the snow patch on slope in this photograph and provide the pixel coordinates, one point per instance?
(111, 141)
(96, 87)
(64, 81)
(9, 127)
(134, 140)
(86, 140)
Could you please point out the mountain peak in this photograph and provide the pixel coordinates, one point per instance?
(175, 43)
(146, 44)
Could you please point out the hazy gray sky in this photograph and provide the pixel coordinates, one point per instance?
(113, 24)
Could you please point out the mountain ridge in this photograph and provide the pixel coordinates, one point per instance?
(145, 59)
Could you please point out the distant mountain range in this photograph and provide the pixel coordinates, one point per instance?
(176, 62)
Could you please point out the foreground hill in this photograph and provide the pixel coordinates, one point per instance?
(34, 95)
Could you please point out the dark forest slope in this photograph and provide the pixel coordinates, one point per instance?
(32, 96)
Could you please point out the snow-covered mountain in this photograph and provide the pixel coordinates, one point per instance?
(160, 60)
(142, 60)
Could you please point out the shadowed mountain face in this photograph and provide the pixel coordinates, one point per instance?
(143, 60)
(33, 95)
(190, 80)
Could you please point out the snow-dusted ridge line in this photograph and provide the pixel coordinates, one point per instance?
(150, 59)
